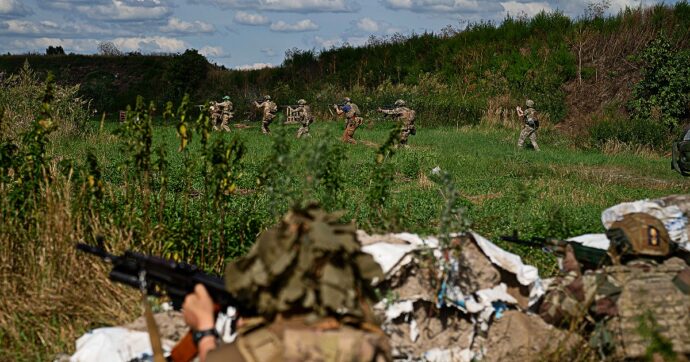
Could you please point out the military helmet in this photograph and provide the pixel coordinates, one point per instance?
(529, 103)
(399, 103)
(347, 100)
(639, 234)
(226, 98)
(309, 263)
(301, 102)
(267, 97)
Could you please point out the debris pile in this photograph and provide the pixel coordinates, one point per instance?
(464, 302)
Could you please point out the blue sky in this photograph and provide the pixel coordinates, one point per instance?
(245, 33)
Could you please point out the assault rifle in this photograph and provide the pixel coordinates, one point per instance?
(158, 277)
(590, 258)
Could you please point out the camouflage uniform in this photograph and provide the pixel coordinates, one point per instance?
(627, 303)
(305, 118)
(352, 119)
(406, 115)
(268, 110)
(529, 130)
(312, 286)
(224, 110)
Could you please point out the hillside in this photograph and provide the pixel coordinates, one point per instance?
(580, 72)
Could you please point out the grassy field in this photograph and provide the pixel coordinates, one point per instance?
(558, 192)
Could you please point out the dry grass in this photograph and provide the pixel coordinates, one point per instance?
(51, 294)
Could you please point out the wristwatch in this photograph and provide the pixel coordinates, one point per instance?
(198, 335)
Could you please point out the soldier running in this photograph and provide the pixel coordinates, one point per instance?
(223, 111)
(305, 117)
(529, 130)
(352, 119)
(406, 115)
(268, 110)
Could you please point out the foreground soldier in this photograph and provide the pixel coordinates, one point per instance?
(406, 115)
(305, 117)
(529, 130)
(352, 119)
(312, 285)
(268, 112)
(644, 293)
(224, 110)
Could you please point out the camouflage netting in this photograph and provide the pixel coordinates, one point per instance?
(307, 264)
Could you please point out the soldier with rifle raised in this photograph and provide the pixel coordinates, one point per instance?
(303, 111)
(305, 292)
(401, 112)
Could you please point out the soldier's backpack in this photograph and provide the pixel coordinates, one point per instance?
(680, 159)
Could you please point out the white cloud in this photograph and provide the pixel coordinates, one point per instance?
(327, 43)
(246, 18)
(40, 44)
(150, 44)
(254, 66)
(302, 25)
(178, 26)
(445, 6)
(50, 29)
(515, 7)
(368, 24)
(300, 6)
(213, 52)
(13, 9)
(121, 10)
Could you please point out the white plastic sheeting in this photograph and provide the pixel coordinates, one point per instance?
(114, 344)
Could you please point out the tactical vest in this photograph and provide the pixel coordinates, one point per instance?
(649, 303)
(680, 160)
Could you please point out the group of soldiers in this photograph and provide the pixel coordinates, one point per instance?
(221, 114)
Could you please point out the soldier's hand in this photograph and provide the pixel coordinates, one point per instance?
(197, 309)
(378, 109)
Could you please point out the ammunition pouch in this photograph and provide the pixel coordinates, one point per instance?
(532, 123)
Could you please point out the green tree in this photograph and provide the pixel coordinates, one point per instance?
(185, 72)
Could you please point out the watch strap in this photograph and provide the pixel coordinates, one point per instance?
(198, 335)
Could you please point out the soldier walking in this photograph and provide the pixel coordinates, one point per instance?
(352, 119)
(224, 113)
(406, 115)
(529, 130)
(268, 111)
(305, 117)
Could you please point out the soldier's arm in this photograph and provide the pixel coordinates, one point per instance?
(394, 111)
(198, 315)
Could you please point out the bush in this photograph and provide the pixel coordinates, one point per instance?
(634, 131)
(21, 96)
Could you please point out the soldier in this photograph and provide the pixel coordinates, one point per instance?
(216, 114)
(268, 110)
(224, 110)
(531, 124)
(406, 115)
(644, 292)
(305, 117)
(312, 287)
(352, 119)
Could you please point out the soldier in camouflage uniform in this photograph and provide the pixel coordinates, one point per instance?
(352, 119)
(312, 287)
(268, 111)
(305, 117)
(406, 115)
(644, 292)
(529, 130)
(224, 113)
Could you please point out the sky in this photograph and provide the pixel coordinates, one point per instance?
(246, 34)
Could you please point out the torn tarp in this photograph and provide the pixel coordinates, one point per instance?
(440, 298)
